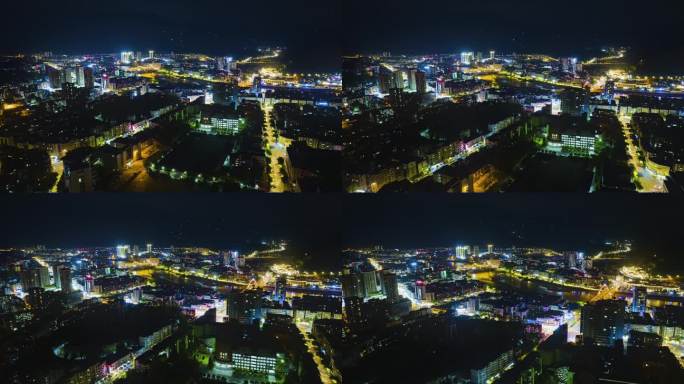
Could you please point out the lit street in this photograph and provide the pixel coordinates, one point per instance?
(313, 351)
(650, 182)
(277, 150)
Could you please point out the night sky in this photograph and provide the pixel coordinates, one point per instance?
(558, 220)
(578, 27)
(323, 224)
(193, 219)
(310, 29)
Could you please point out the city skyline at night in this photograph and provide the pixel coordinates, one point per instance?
(529, 26)
(488, 121)
(289, 281)
(341, 192)
(326, 225)
(210, 27)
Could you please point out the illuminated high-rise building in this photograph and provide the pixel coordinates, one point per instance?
(574, 102)
(238, 259)
(122, 251)
(397, 98)
(492, 55)
(384, 81)
(411, 75)
(30, 278)
(104, 83)
(225, 63)
(256, 85)
(581, 261)
(603, 322)
(34, 277)
(244, 306)
(150, 54)
(55, 276)
(208, 97)
(490, 248)
(69, 93)
(36, 298)
(421, 83)
(467, 58)
(353, 312)
(565, 64)
(149, 248)
(369, 278)
(351, 285)
(89, 283)
(569, 65)
(609, 90)
(639, 297)
(88, 77)
(127, 57)
(80, 77)
(439, 86)
(221, 310)
(555, 106)
(133, 296)
(571, 260)
(398, 79)
(461, 252)
(231, 64)
(65, 279)
(390, 286)
(55, 77)
(279, 289)
(71, 75)
(44, 276)
(419, 290)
